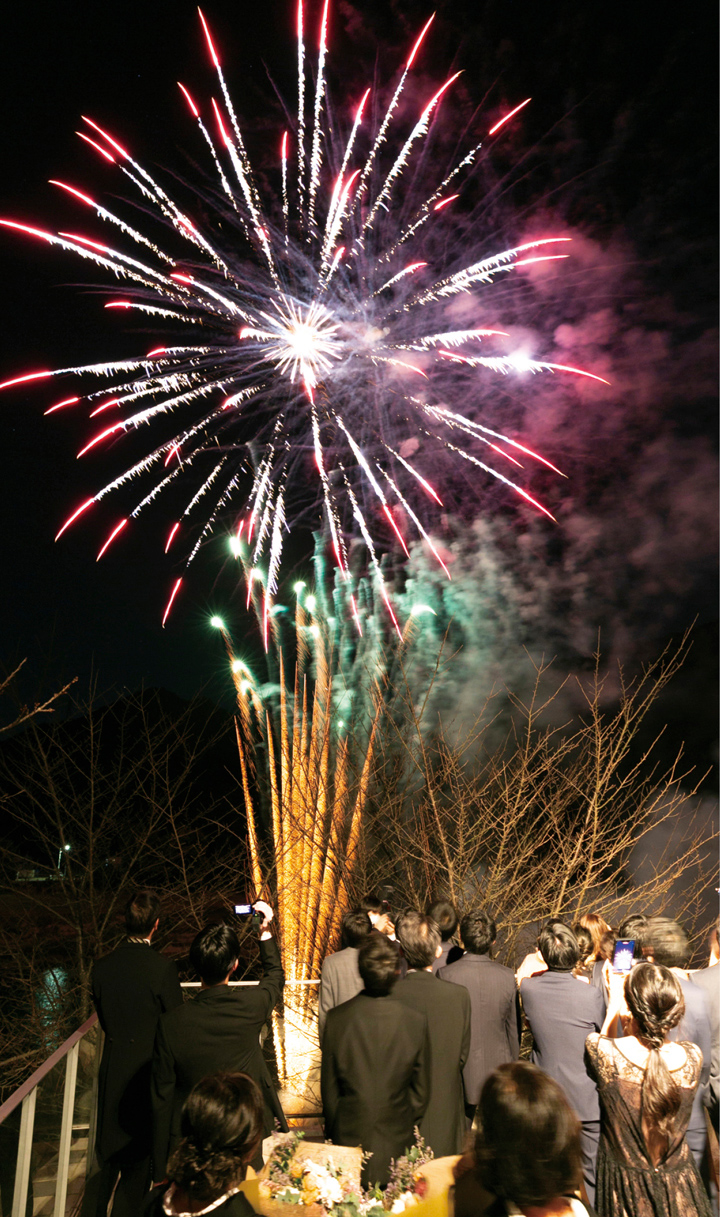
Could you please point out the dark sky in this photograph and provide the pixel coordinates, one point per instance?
(624, 113)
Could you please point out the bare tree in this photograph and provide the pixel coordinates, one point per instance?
(546, 823)
(115, 796)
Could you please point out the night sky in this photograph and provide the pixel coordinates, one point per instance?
(619, 145)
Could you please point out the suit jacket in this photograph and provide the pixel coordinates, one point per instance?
(494, 1037)
(375, 1078)
(219, 1029)
(562, 1012)
(451, 952)
(695, 1027)
(447, 1010)
(132, 987)
(339, 981)
(709, 980)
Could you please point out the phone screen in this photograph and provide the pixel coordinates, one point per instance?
(623, 955)
(243, 910)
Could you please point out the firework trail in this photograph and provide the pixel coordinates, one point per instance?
(311, 327)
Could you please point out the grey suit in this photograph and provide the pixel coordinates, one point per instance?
(709, 980)
(562, 1012)
(695, 1027)
(339, 981)
(494, 1035)
(451, 952)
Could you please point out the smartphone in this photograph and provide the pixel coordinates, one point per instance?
(243, 910)
(623, 955)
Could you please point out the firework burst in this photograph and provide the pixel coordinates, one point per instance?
(310, 353)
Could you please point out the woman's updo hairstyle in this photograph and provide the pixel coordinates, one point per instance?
(656, 1002)
(222, 1126)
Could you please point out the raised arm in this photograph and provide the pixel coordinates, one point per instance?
(616, 1007)
(273, 980)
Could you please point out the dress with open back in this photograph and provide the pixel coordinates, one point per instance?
(629, 1183)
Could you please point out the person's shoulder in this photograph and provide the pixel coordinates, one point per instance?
(707, 978)
(694, 1053)
(347, 1010)
(451, 992)
(339, 959)
(452, 971)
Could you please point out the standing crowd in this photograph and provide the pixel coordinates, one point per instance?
(416, 1031)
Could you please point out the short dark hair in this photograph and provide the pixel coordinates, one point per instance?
(213, 952)
(371, 903)
(141, 913)
(356, 925)
(558, 946)
(477, 930)
(634, 928)
(528, 1151)
(668, 942)
(445, 915)
(419, 938)
(221, 1126)
(378, 964)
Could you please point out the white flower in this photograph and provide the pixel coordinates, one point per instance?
(403, 1202)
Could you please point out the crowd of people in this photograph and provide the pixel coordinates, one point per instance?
(417, 1030)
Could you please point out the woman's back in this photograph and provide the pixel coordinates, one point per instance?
(640, 1172)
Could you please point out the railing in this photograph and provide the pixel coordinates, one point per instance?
(25, 1099)
(62, 1162)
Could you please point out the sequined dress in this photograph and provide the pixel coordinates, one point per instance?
(629, 1184)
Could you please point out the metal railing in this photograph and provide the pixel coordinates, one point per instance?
(25, 1098)
(55, 1160)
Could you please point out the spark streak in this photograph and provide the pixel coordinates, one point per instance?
(313, 319)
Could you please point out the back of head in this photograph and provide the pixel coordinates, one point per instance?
(597, 926)
(477, 930)
(419, 938)
(378, 964)
(634, 929)
(445, 917)
(141, 913)
(558, 946)
(528, 1151)
(222, 1126)
(668, 942)
(371, 903)
(356, 925)
(213, 952)
(656, 1002)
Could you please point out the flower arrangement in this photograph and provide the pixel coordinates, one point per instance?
(325, 1182)
(407, 1185)
(322, 1187)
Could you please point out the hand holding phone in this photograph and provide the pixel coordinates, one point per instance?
(623, 955)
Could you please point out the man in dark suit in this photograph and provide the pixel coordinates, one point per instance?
(494, 1035)
(446, 919)
(218, 1030)
(670, 946)
(375, 1065)
(562, 1011)
(447, 1010)
(132, 987)
(340, 977)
